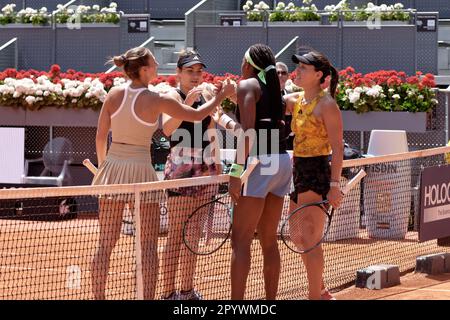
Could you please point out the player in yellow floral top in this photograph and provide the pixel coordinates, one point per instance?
(317, 124)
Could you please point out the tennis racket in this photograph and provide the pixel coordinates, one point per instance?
(299, 231)
(209, 226)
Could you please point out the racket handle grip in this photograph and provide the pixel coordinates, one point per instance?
(88, 164)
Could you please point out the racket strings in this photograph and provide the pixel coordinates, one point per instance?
(306, 228)
(208, 227)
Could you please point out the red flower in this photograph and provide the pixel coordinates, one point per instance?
(428, 82)
(413, 80)
(172, 80)
(402, 74)
(394, 80)
(10, 73)
(55, 69)
(108, 84)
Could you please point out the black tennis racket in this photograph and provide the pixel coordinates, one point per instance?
(299, 231)
(209, 226)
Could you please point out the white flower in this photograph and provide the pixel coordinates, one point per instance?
(162, 87)
(420, 97)
(43, 10)
(434, 101)
(39, 92)
(359, 90)
(391, 90)
(374, 91)
(354, 97)
(396, 96)
(8, 9)
(46, 93)
(30, 100)
(17, 94)
(398, 6)
(249, 3)
(113, 5)
(246, 8)
(410, 93)
(307, 1)
(281, 5)
(96, 7)
(74, 100)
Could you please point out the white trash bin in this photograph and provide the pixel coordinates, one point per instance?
(387, 187)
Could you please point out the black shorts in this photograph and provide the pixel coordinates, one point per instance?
(311, 174)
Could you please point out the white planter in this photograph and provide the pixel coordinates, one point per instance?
(408, 121)
(87, 25)
(371, 23)
(255, 23)
(294, 23)
(12, 116)
(48, 116)
(23, 25)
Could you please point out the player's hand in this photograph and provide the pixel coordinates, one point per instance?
(218, 112)
(334, 196)
(234, 189)
(193, 96)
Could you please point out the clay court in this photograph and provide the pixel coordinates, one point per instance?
(51, 260)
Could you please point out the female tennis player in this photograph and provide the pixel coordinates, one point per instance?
(317, 124)
(132, 112)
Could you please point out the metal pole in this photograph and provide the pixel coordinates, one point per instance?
(51, 138)
(447, 106)
(138, 247)
(361, 141)
(340, 25)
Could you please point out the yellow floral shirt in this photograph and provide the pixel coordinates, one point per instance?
(311, 138)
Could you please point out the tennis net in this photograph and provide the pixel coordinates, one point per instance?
(49, 237)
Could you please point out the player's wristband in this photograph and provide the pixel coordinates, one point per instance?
(236, 170)
(335, 184)
(224, 120)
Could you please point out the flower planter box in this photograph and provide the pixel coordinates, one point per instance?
(294, 23)
(11, 116)
(254, 23)
(379, 120)
(384, 23)
(49, 116)
(87, 25)
(23, 25)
